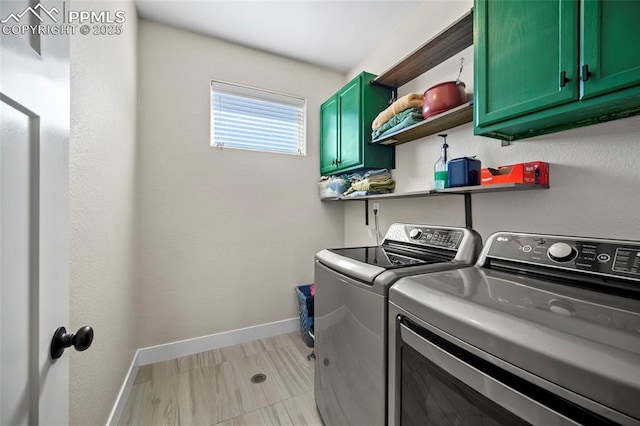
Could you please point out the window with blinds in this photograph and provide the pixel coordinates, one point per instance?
(249, 118)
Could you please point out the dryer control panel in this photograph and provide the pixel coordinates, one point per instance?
(617, 258)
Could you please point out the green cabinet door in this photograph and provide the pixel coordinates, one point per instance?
(526, 57)
(329, 136)
(610, 43)
(350, 115)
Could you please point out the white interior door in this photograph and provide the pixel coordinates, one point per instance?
(34, 132)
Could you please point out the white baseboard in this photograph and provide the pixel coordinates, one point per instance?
(123, 395)
(196, 345)
(213, 341)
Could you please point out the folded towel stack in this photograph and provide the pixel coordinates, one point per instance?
(406, 118)
(412, 100)
(370, 183)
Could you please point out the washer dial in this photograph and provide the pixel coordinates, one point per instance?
(562, 252)
(415, 233)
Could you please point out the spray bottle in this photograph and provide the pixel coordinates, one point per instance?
(440, 168)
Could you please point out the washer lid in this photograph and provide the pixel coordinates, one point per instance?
(361, 270)
(388, 258)
(584, 341)
(366, 263)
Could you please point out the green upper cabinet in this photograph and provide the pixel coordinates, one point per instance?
(523, 48)
(345, 133)
(549, 65)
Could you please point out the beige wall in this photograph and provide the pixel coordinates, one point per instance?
(594, 173)
(102, 205)
(226, 234)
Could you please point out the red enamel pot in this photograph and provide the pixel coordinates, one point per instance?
(443, 97)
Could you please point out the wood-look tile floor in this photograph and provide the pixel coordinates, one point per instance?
(215, 388)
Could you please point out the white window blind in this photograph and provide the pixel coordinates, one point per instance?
(248, 118)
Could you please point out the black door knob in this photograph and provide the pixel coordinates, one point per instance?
(62, 340)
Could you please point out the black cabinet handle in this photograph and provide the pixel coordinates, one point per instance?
(62, 340)
(563, 79)
(585, 73)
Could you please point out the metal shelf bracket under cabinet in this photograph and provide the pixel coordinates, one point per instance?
(468, 219)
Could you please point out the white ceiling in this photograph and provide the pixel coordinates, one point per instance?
(331, 34)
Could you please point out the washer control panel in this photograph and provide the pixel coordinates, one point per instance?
(424, 235)
(597, 256)
(445, 238)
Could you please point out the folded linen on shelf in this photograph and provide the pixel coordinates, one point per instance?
(333, 186)
(406, 118)
(376, 174)
(412, 100)
(376, 187)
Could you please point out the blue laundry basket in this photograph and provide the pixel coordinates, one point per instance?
(306, 313)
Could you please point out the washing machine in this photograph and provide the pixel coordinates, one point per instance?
(350, 304)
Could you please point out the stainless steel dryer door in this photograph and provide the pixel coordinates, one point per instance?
(349, 342)
(437, 388)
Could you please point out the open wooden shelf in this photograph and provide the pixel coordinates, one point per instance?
(466, 191)
(463, 190)
(441, 47)
(393, 195)
(502, 187)
(476, 189)
(447, 120)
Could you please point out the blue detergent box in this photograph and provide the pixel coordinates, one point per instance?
(464, 171)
